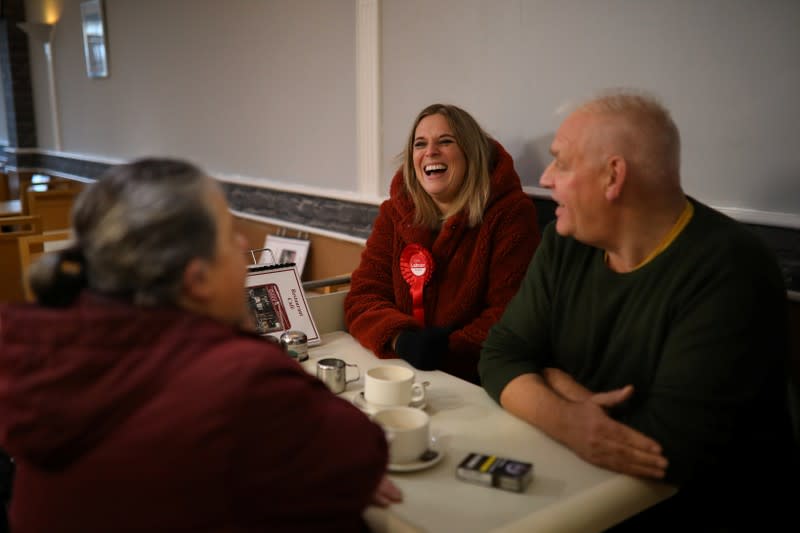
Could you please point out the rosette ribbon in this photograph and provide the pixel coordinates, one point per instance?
(416, 265)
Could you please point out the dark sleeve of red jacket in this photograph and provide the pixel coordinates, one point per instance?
(325, 457)
(371, 314)
(510, 245)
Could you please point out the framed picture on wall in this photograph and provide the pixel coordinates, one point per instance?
(286, 250)
(94, 38)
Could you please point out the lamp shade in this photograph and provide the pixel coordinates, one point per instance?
(38, 30)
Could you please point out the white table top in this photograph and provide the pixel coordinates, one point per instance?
(566, 494)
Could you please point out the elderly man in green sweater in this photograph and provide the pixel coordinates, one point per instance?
(649, 334)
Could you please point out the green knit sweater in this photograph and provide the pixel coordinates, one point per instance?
(699, 331)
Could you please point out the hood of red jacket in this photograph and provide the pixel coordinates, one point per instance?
(69, 376)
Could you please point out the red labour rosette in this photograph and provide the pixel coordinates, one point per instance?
(416, 265)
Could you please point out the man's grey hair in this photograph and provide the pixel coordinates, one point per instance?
(648, 130)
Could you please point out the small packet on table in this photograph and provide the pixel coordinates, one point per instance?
(493, 471)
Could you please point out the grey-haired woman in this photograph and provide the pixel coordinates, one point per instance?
(132, 400)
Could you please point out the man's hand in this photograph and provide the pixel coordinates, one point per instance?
(386, 493)
(603, 441)
(583, 424)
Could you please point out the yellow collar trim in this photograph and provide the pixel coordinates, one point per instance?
(681, 223)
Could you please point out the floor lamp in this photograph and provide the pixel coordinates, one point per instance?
(43, 33)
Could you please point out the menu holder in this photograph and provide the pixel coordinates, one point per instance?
(276, 299)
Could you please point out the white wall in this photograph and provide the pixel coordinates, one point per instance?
(728, 69)
(260, 88)
(266, 88)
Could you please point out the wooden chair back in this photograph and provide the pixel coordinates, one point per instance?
(10, 208)
(11, 288)
(32, 247)
(5, 187)
(54, 206)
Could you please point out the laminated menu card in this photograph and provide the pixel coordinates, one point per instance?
(277, 301)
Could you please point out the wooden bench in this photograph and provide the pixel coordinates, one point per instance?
(11, 284)
(5, 189)
(32, 247)
(54, 206)
(10, 208)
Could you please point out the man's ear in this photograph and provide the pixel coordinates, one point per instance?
(617, 172)
(196, 283)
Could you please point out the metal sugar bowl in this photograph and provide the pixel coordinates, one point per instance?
(296, 344)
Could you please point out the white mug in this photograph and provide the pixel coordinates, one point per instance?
(407, 431)
(392, 385)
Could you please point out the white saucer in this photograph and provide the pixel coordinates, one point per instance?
(361, 402)
(417, 465)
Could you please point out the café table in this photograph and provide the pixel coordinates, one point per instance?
(566, 494)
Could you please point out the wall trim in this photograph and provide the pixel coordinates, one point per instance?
(69, 155)
(56, 173)
(22, 150)
(537, 192)
(748, 216)
(261, 183)
(300, 227)
(763, 218)
(270, 184)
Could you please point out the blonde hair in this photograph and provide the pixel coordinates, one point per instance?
(646, 130)
(479, 155)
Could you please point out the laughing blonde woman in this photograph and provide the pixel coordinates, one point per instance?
(447, 250)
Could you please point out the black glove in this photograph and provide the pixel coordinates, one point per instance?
(423, 348)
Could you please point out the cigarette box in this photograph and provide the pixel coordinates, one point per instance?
(494, 471)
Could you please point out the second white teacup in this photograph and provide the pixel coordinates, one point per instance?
(392, 385)
(407, 431)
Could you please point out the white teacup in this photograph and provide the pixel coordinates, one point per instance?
(407, 430)
(392, 386)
